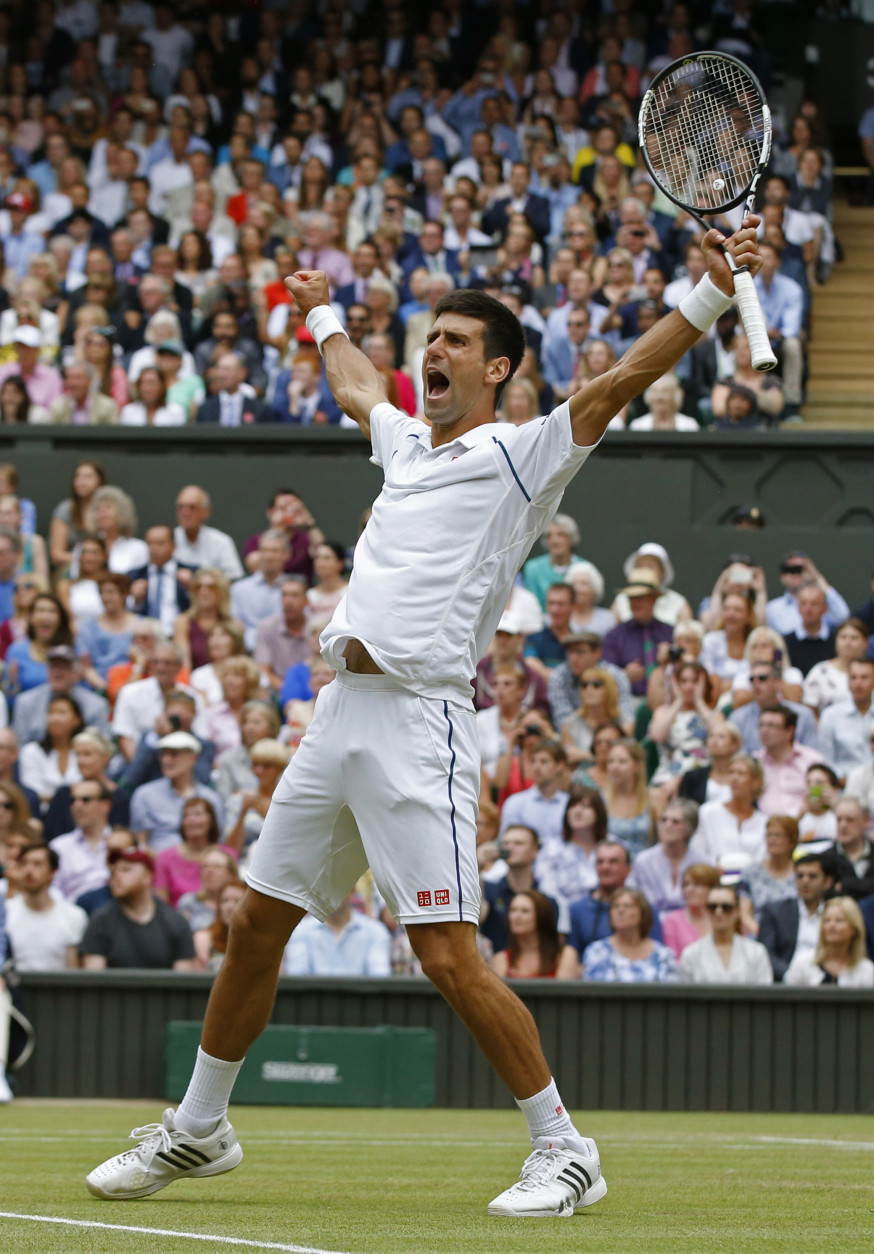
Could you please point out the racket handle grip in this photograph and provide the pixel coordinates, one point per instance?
(754, 322)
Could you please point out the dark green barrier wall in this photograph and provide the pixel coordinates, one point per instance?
(612, 1047)
(815, 490)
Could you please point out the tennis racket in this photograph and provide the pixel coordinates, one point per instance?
(705, 135)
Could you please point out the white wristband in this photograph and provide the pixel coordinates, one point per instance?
(704, 304)
(322, 323)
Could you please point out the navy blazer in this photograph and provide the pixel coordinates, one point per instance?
(778, 932)
(536, 211)
(866, 905)
(183, 600)
(253, 411)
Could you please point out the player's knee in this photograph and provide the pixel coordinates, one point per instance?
(446, 954)
(258, 935)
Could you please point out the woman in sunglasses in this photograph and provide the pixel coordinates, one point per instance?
(599, 703)
(725, 956)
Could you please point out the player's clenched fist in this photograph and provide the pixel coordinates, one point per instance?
(309, 289)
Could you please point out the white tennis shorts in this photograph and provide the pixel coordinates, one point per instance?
(385, 779)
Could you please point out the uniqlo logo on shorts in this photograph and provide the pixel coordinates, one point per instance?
(441, 897)
(424, 899)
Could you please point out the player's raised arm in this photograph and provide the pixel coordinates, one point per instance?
(672, 336)
(352, 377)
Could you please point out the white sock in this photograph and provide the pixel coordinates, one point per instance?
(547, 1116)
(208, 1095)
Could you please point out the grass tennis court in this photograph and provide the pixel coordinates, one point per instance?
(417, 1182)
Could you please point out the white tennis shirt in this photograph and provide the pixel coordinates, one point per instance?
(447, 537)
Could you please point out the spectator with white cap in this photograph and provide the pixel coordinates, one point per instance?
(44, 384)
(156, 808)
(506, 650)
(670, 607)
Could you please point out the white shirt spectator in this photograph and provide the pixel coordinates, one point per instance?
(682, 422)
(128, 553)
(139, 705)
(529, 808)
(171, 415)
(171, 47)
(362, 948)
(211, 547)
(164, 177)
(109, 203)
(719, 835)
(78, 19)
(804, 973)
(41, 938)
(41, 771)
(252, 600)
(700, 963)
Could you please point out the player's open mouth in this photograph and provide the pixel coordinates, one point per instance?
(437, 383)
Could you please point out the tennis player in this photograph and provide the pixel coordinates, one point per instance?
(388, 773)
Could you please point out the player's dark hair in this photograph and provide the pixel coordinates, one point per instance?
(502, 331)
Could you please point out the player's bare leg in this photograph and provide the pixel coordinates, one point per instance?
(500, 1024)
(563, 1173)
(245, 987)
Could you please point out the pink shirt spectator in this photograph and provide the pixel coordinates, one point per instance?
(336, 265)
(678, 931)
(177, 874)
(786, 782)
(44, 386)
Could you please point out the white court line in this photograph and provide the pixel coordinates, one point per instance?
(169, 1232)
(722, 1141)
(803, 1140)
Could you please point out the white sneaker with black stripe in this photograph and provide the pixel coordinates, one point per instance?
(163, 1155)
(555, 1181)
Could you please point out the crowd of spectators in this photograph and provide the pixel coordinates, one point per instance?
(163, 168)
(668, 792)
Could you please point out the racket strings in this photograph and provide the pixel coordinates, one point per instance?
(704, 132)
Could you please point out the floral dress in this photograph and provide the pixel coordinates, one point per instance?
(762, 887)
(685, 747)
(602, 962)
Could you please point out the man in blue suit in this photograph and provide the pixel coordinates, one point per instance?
(562, 357)
(535, 208)
(431, 254)
(232, 406)
(364, 261)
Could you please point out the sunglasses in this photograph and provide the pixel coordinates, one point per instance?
(725, 906)
(760, 679)
(592, 683)
(7, 805)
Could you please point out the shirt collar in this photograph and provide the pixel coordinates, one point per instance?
(822, 634)
(470, 439)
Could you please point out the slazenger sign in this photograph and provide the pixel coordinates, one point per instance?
(302, 1072)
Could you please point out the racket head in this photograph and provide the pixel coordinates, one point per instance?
(705, 132)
